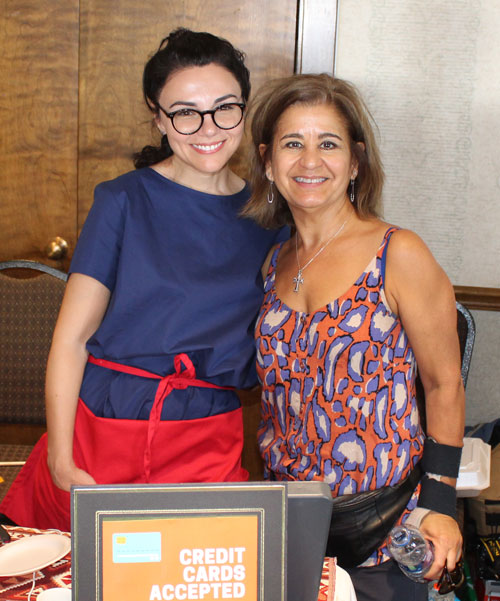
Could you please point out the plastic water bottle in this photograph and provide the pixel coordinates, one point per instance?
(413, 553)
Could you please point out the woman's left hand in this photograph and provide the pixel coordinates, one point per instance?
(444, 533)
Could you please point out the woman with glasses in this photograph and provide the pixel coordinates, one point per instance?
(155, 330)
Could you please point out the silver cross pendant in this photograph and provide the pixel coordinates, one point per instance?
(298, 280)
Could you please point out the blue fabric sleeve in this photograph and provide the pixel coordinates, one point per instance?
(99, 245)
(282, 234)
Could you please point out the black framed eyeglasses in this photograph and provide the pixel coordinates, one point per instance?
(451, 580)
(188, 121)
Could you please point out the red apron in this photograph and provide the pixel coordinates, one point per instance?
(123, 451)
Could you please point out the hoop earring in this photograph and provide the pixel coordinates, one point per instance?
(352, 195)
(270, 193)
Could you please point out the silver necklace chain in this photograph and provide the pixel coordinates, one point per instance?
(298, 279)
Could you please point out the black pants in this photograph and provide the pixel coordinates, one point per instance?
(385, 582)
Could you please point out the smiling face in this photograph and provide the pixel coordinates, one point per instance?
(311, 161)
(207, 151)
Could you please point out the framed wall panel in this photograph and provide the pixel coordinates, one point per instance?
(430, 77)
(431, 80)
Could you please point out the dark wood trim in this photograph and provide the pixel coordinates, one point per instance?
(474, 297)
(20, 433)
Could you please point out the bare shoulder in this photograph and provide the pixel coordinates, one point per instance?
(406, 248)
(413, 275)
(405, 239)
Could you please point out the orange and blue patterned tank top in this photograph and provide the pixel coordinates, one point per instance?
(338, 398)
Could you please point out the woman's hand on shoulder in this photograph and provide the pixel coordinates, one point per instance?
(444, 533)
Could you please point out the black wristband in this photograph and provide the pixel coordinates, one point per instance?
(438, 496)
(441, 459)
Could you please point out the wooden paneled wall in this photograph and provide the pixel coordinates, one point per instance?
(71, 110)
(38, 124)
(72, 113)
(114, 46)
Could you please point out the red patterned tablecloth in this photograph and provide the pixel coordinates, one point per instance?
(327, 584)
(15, 588)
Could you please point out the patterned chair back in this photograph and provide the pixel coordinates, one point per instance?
(466, 336)
(30, 297)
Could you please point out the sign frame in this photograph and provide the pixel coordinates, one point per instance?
(92, 506)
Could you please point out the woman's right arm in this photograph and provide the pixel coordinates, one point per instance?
(82, 310)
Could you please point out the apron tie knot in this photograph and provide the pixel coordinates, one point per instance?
(181, 379)
(181, 359)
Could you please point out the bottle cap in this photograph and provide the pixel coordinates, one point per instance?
(399, 536)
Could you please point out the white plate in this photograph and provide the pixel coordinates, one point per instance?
(32, 553)
(55, 594)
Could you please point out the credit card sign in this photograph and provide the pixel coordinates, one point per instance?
(136, 547)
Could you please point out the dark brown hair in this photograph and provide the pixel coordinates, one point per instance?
(272, 101)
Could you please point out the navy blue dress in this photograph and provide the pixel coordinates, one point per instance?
(184, 274)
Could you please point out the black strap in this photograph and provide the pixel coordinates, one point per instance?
(441, 459)
(438, 496)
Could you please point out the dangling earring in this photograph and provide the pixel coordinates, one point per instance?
(352, 195)
(270, 193)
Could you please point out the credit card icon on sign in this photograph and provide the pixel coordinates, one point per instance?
(136, 547)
